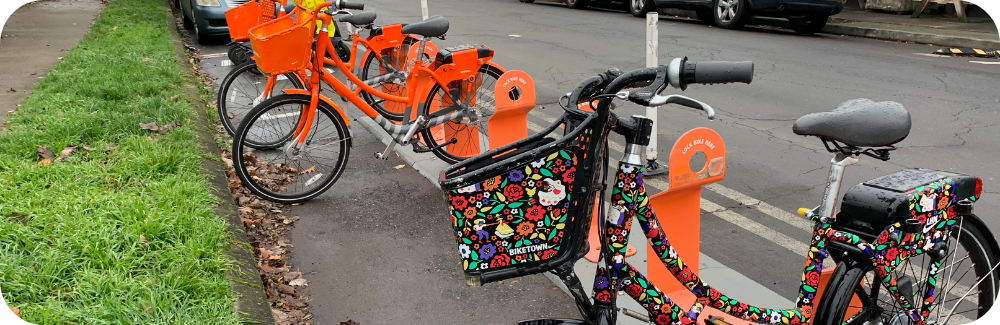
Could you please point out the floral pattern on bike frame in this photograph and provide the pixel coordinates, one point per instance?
(628, 199)
(513, 218)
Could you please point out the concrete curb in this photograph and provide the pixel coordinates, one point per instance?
(251, 305)
(870, 32)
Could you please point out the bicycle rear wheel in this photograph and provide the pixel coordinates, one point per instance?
(470, 133)
(373, 67)
(965, 289)
(241, 90)
(285, 173)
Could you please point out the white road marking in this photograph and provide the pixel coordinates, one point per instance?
(226, 63)
(930, 55)
(214, 55)
(791, 219)
(986, 62)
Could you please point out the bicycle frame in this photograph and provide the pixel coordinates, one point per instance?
(893, 246)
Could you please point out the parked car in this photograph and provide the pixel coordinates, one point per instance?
(804, 16)
(208, 17)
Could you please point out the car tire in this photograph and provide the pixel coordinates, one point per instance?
(640, 8)
(577, 4)
(731, 14)
(706, 17)
(188, 23)
(809, 25)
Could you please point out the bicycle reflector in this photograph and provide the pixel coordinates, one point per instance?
(979, 187)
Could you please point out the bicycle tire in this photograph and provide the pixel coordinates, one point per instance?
(226, 102)
(432, 141)
(395, 113)
(268, 179)
(833, 306)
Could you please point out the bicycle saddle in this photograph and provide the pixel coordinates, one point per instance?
(358, 19)
(858, 122)
(432, 27)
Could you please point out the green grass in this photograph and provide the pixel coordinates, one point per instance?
(70, 232)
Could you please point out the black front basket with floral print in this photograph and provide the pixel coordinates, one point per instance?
(522, 209)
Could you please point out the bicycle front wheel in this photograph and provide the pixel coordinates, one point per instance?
(964, 291)
(241, 90)
(291, 171)
(466, 136)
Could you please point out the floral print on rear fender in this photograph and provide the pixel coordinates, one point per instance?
(516, 217)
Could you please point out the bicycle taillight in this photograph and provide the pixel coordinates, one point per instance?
(979, 187)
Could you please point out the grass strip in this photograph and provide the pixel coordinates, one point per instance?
(123, 230)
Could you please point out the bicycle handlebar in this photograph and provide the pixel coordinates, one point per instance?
(683, 73)
(351, 5)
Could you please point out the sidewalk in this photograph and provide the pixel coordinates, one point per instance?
(930, 29)
(37, 44)
(939, 30)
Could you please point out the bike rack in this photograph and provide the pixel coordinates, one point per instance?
(514, 94)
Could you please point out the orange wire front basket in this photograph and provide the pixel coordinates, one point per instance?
(283, 45)
(242, 18)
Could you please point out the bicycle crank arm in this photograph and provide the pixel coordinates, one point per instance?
(385, 154)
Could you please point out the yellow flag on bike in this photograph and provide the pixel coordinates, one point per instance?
(312, 4)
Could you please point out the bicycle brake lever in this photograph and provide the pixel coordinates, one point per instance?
(658, 100)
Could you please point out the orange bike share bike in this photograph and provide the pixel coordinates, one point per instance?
(385, 50)
(294, 146)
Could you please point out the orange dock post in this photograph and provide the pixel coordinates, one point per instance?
(515, 97)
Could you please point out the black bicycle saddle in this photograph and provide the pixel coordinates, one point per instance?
(432, 27)
(858, 122)
(359, 19)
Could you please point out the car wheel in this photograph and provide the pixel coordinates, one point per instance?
(809, 25)
(705, 16)
(577, 4)
(188, 23)
(639, 8)
(731, 14)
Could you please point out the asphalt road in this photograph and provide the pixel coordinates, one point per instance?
(953, 104)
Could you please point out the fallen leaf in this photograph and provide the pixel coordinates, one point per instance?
(286, 289)
(147, 307)
(22, 219)
(299, 282)
(44, 154)
(293, 302)
(66, 152)
(17, 312)
(166, 127)
(12, 90)
(228, 162)
(149, 126)
(109, 148)
(400, 166)
(349, 322)
(266, 268)
(88, 148)
(279, 315)
(513, 282)
(142, 238)
(308, 170)
(145, 59)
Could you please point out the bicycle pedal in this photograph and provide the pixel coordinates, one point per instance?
(712, 320)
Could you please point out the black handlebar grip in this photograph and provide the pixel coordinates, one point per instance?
(352, 5)
(718, 72)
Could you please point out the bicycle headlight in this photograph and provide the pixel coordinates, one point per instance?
(208, 3)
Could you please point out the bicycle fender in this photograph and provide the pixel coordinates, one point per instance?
(323, 98)
(978, 223)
